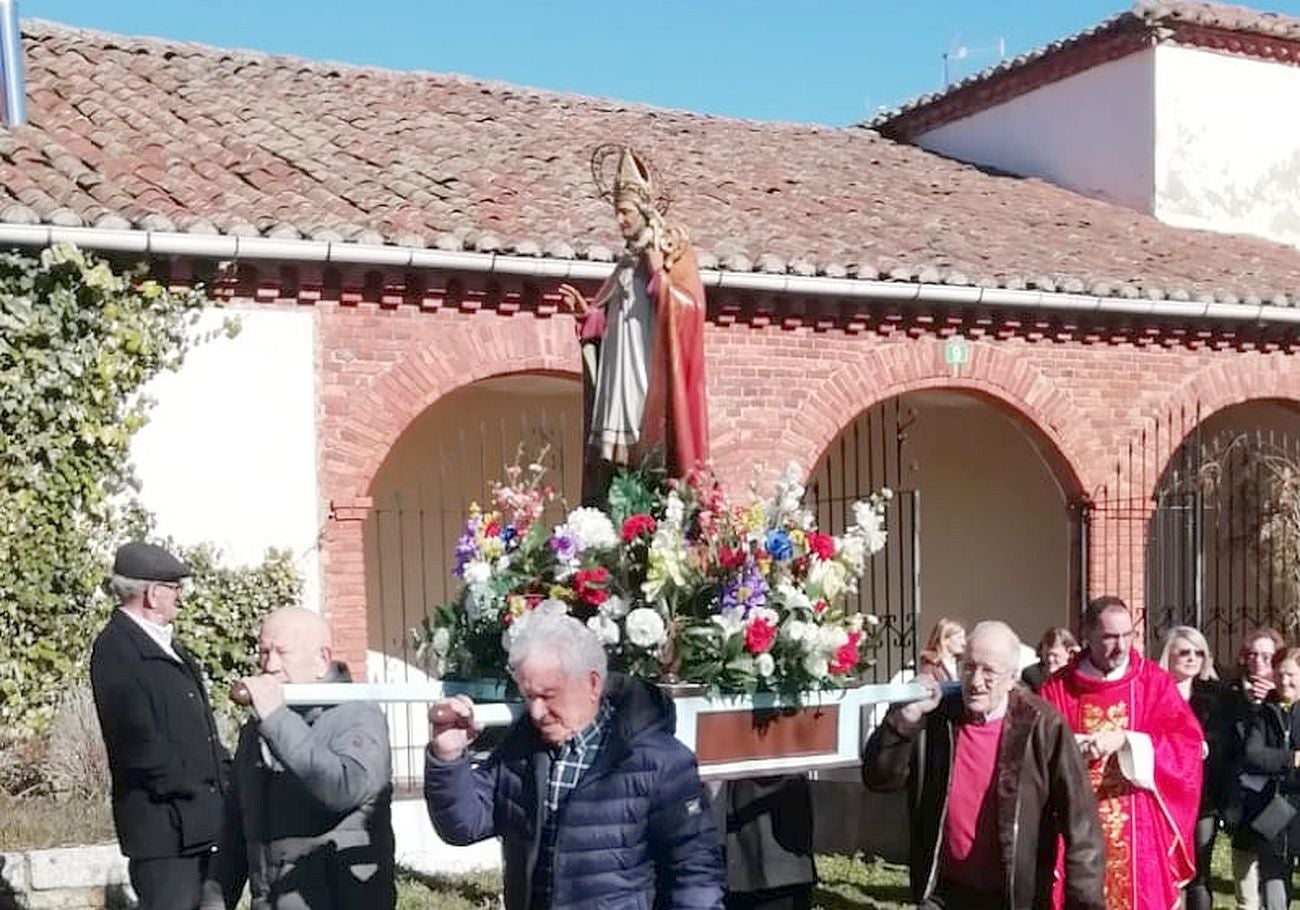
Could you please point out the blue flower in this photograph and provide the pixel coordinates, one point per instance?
(779, 545)
(508, 533)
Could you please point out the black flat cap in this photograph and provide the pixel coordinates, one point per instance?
(147, 562)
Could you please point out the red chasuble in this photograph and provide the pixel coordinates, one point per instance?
(676, 412)
(1150, 850)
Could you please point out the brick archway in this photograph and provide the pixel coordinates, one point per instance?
(1212, 390)
(890, 370)
(364, 417)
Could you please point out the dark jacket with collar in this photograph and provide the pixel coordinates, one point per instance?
(1042, 791)
(309, 817)
(1268, 769)
(1208, 702)
(165, 757)
(637, 832)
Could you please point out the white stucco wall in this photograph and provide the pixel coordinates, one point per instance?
(1227, 143)
(229, 453)
(1092, 132)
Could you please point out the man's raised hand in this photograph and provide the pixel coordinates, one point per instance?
(451, 727)
(572, 300)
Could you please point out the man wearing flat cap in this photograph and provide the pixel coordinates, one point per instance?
(166, 760)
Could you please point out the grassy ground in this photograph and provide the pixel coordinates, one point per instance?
(847, 883)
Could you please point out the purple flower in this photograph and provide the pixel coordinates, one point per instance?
(564, 544)
(745, 591)
(466, 546)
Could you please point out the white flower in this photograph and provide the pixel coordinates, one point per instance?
(593, 529)
(441, 641)
(852, 551)
(729, 622)
(550, 606)
(828, 578)
(870, 526)
(503, 563)
(831, 638)
(792, 596)
(871, 619)
(757, 613)
(476, 572)
(614, 607)
(674, 510)
(645, 628)
(816, 665)
(855, 622)
(764, 664)
(797, 632)
(605, 628)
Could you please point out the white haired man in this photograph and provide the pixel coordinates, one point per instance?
(164, 754)
(996, 780)
(595, 801)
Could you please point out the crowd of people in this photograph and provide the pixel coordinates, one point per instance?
(1166, 756)
(1094, 778)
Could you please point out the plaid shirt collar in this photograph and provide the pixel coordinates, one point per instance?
(571, 760)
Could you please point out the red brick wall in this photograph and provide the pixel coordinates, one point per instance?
(784, 393)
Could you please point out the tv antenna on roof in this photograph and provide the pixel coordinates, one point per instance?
(959, 51)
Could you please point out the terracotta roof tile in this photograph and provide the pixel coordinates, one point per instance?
(144, 133)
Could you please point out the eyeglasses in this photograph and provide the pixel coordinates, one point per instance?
(1257, 655)
(1189, 652)
(988, 675)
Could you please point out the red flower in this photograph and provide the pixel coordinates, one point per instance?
(493, 529)
(820, 607)
(589, 585)
(823, 545)
(638, 525)
(846, 656)
(759, 636)
(729, 558)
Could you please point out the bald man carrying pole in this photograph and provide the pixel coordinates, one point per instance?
(995, 780)
(308, 823)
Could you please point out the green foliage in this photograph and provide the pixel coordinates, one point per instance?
(221, 612)
(78, 342)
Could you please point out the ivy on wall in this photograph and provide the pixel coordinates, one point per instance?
(78, 342)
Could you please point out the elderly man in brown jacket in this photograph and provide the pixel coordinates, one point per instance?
(996, 784)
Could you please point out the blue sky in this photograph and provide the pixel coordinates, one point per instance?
(825, 61)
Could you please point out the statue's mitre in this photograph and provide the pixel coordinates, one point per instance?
(633, 178)
(620, 172)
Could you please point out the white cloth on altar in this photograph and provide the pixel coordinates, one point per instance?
(623, 374)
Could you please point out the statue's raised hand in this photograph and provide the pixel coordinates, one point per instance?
(573, 301)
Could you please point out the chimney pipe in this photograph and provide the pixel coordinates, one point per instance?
(13, 90)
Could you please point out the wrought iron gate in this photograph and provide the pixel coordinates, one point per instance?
(1215, 547)
(867, 456)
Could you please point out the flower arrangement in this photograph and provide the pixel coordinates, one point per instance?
(679, 584)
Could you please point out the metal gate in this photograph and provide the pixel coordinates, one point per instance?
(867, 456)
(1215, 546)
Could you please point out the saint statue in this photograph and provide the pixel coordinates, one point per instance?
(642, 337)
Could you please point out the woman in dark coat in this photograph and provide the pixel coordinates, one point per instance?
(1270, 760)
(1186, 655)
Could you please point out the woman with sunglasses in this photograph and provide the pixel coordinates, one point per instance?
(1186, 655)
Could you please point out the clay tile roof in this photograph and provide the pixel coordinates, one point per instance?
(1229, 29)
(162, 135)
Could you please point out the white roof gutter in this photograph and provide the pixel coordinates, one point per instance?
(223, 246)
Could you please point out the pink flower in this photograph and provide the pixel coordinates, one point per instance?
(846, 656)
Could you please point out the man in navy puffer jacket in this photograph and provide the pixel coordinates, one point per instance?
(597, 805)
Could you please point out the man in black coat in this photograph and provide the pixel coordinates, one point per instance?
(164, 754)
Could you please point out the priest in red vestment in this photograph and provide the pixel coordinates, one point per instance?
(643, 339)
(1144, 750)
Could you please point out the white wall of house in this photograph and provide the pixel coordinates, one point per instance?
(229, 453)
(1092, 132)
(1227, 144)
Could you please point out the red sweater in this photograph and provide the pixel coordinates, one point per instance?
(971, 857)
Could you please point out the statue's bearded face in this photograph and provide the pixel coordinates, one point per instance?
(631, 222)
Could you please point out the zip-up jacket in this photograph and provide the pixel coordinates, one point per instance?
(637, 832)
(1042, 792)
